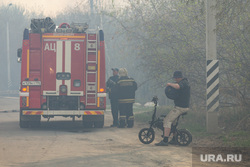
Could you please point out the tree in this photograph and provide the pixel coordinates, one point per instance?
(17, 20)
(170, 35)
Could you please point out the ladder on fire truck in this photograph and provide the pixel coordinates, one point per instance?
(91, 67)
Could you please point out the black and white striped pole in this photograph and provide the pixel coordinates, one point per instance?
(212, 69)
(212, 85)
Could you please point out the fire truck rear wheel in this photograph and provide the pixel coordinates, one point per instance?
(26, 121)
(23, 124)
(35, 124)
(87, 124)
(99, 124)
(27, 124)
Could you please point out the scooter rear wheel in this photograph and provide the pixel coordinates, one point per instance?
(146, 135)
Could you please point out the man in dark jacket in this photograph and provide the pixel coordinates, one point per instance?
(125, 89)
(112, 96)
(181, 105)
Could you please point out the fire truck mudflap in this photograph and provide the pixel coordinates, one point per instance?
(62, 73)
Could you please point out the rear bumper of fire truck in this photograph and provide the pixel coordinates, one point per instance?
(63, 112)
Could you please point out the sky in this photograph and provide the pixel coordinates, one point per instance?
(49, 7)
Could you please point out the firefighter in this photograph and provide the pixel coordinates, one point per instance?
(125, 89)
(112, 96)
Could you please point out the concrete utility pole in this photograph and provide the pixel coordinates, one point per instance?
(8, 50)
(92, 15)
(212, 68)
(91, 8)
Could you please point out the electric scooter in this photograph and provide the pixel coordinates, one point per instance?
(147, 135)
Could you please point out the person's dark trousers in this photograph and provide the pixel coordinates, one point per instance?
(114, 110)
(130, 115)
(126, 115)
(122, 118)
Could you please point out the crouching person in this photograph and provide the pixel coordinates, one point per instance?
(126, 88)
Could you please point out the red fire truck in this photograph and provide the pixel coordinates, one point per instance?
(62, 73)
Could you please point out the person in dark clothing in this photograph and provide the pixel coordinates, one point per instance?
(125, 89)
(181, 105)
(110, 84)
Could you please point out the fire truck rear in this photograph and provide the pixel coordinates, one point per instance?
(62, 73)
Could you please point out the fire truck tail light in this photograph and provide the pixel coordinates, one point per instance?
(82, 107)
(44, 106)
(24, 89)
(24, 101)
(101, 89)
(101, 99)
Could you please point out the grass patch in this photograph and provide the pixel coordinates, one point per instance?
(147, 113)
(237, 139)
(141, 109)
(195, 122)
(143, 117)
(143, 114)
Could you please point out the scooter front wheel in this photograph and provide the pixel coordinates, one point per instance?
(146, 135)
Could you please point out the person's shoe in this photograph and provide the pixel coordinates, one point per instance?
(130, 123)
(120, 126)
(161, 143)
(173, 142)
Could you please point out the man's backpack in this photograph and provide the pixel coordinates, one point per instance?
(171, 92)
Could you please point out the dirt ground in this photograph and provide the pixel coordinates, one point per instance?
(63, 143)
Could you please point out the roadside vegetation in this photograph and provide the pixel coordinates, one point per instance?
(195, 122)
(171, 35)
